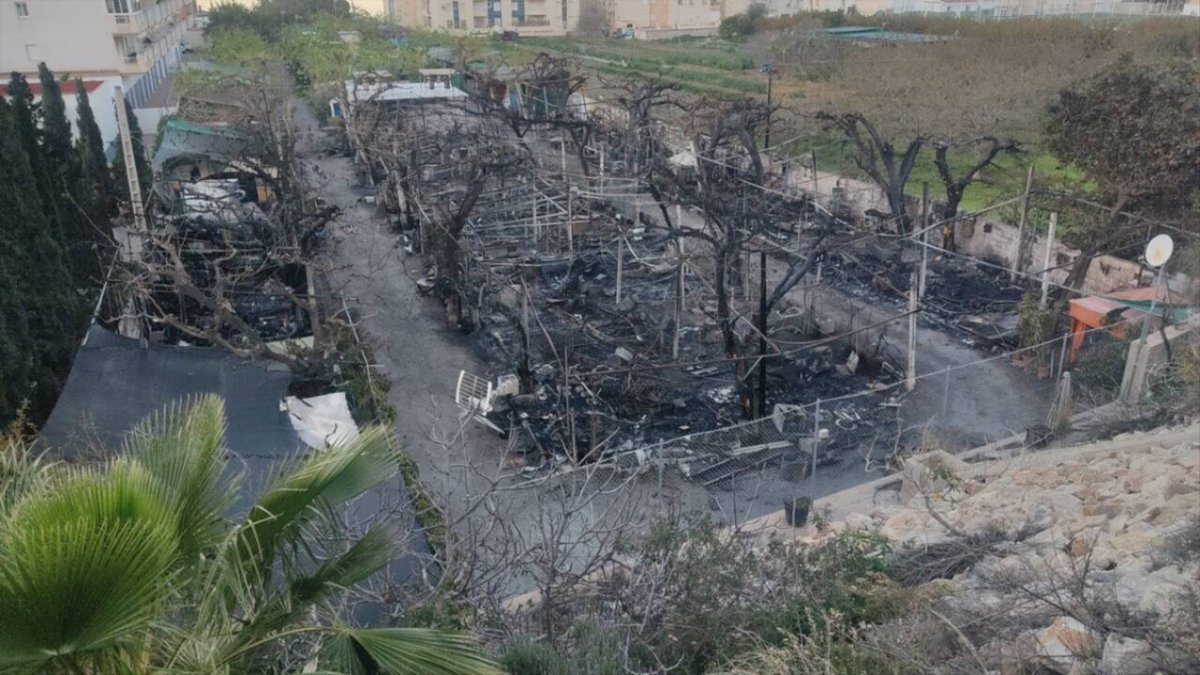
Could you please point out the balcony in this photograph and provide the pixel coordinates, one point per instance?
(141, 58)
(128, 24)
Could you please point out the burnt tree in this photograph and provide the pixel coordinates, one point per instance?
(955, 186)
(878, 157)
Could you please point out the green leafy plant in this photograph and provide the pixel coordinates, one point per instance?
(134, 566)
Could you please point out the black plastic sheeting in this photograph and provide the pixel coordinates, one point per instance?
(115, 384)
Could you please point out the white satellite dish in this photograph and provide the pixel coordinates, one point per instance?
(1159, 250)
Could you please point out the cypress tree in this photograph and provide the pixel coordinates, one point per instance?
(80, 234)
(56, 128)
(25, 121)
(37, 287)
(91, 156)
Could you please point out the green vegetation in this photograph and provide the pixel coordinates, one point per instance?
(705, 599)
(51, 254)
(133, 566)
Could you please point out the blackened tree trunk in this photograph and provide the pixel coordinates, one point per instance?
(956, 186)
(878, 158)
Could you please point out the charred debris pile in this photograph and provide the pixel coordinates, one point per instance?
(600, 347)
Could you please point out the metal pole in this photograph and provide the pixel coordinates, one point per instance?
(945, 398)
(1016, 262)
(620, 266)
(924, 239)
(762, 334)
(770, 78)
(910, 374)
(570, 223)
(1048, 258)
(678, 300)
(816, 440)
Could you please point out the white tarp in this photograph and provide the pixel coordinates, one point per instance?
(321, 420)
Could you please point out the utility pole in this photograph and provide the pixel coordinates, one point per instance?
(131, 177)
(1049, 257)
(910, 373)
(1016, 263)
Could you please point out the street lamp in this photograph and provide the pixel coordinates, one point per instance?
(769, 69)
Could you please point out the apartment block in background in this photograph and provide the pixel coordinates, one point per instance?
(138, 41)
(526, 17)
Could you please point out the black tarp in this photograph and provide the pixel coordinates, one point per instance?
(116, 383)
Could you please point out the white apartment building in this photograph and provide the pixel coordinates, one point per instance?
(140, 41)
(527, 17)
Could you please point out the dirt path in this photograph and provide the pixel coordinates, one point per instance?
(415, 352)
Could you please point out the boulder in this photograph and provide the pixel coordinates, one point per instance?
(920, 474)
(1065, 644)
(1161, 588)
(1126, 656)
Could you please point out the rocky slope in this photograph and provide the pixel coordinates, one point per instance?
(1076, 560)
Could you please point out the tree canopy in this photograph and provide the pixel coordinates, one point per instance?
(1134, 129)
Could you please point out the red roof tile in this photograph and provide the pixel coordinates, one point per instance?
(68, 87)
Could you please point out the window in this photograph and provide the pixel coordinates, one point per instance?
(123, 6)
(31, 53)
(22, 9)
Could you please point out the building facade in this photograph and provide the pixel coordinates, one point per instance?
(527, 17)
(139, 41)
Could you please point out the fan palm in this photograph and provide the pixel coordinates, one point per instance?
(133, 567)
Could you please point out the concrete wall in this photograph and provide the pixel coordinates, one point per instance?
(668, 33)
(1145, 359)
(148, 118)
(997, 242)
(990, 240)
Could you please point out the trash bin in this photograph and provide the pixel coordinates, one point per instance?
(796, 511)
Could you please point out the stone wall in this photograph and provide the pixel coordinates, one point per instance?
(996, 242)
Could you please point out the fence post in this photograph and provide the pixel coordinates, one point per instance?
(812, 472)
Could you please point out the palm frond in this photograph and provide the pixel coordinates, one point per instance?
(183, 447)
(366, 556)
(405, 651)
(84, 565)
(326, 478)
(21, 472)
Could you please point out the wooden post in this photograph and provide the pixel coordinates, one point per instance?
(131, 178)
(1016, 262)
(1049, 257)
(816, 181)
(910, 373)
